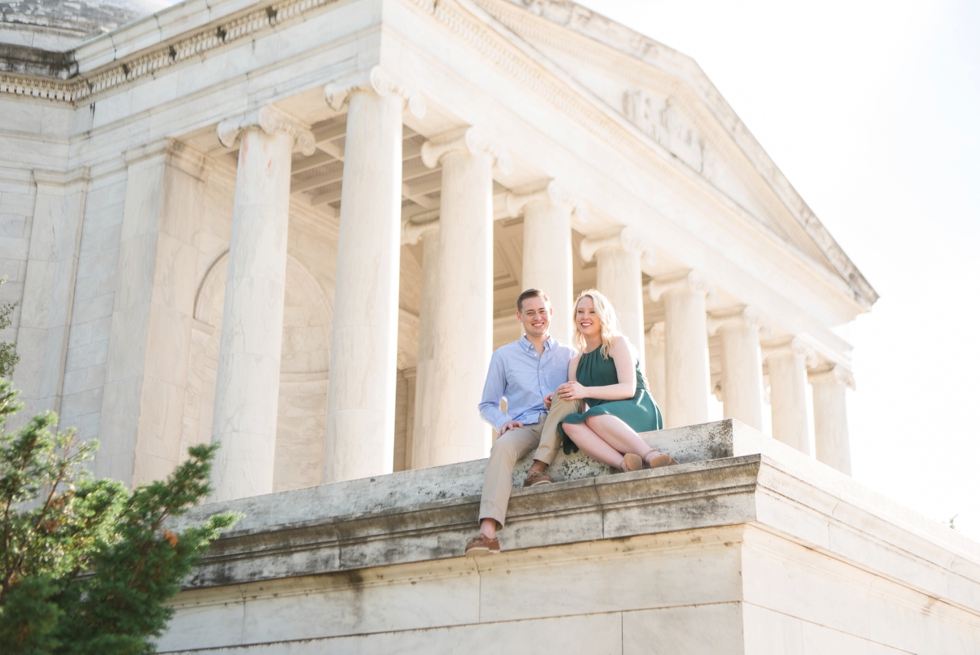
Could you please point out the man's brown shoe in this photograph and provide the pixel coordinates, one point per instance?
(535, 478)
(480, 545)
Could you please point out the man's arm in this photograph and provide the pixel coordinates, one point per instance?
(493, 391)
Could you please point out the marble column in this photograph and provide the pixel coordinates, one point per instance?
(425, 412)
(787, 361)
(830, 431)
(359, 439)
(246, 401)
(656, 363)
(547, 262)
(686, 347)
(741, 364)
(464, 312)
(620, 278)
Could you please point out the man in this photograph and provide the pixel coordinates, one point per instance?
(526, 373)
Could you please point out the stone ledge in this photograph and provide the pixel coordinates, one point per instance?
(426, 515)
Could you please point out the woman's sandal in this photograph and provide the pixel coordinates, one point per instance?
(662, 460)
(632, 462)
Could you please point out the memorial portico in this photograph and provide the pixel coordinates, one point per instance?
(298, 228)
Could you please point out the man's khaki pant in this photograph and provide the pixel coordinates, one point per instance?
(515, 444)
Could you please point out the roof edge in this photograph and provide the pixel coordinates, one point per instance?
(595, 26)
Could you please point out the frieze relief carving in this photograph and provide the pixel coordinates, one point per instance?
(661, 120)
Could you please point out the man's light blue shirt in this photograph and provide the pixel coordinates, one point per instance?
(519, 374)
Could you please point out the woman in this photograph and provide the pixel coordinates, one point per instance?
(606, 375)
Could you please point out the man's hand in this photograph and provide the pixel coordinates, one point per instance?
(571, 391)
(547, 401)
(510, 425)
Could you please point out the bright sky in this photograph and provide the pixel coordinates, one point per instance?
(872, 110)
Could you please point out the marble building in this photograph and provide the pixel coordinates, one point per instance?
(297, 227)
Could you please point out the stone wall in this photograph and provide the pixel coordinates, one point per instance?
(746, 547)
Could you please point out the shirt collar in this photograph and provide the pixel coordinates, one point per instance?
(528, 346)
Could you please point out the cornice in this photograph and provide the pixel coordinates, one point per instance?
(129, 69)
(527, 19)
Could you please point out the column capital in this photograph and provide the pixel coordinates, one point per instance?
(627, 239)
(790, 345)
(552, 193)
(270, 119)
(380, 81)
(833, 374)
(656, 335)
(414, 231)
(738, 316)
(471, 140)
(686, 280)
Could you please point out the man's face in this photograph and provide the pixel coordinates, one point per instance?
(535, 316)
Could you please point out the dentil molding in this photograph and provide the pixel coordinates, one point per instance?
(164, 56)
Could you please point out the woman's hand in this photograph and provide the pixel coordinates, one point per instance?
(571, 390)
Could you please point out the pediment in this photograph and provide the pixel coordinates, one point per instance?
(669, 99)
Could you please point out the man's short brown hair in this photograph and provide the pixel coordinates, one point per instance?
(530, 293)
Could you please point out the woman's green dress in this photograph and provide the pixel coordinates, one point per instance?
(639, 412)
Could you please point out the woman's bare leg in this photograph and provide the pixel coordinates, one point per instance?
(593, 445)
(620, 436)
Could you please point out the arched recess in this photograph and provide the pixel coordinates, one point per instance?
(304, 368)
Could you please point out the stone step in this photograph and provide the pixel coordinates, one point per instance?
(428, 514)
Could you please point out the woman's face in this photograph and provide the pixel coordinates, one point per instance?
(586, 319)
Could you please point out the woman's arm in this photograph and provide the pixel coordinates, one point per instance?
(623, 359)
(572, 367)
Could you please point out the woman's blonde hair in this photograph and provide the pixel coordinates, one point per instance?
(608, 321)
